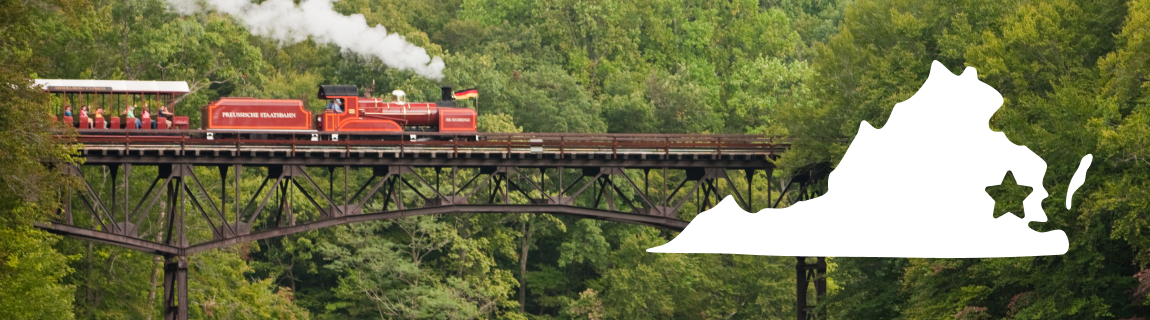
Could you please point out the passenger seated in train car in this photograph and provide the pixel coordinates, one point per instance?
(145, 115)
(129, 113)
(68, 116)
(84, 115)
(164, 115)
(100, 116)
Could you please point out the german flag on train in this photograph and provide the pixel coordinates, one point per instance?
(467, 94)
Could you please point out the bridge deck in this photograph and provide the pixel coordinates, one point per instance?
(429, 149)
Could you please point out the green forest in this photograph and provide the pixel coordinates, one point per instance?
(1075, 76)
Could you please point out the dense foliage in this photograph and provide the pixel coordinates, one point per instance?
(30, 269)
(1073, 74)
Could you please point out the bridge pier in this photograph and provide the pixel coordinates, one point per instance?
(804, 274)
(175, 288)
(176, 265)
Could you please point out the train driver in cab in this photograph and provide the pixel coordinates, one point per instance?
(335, 106)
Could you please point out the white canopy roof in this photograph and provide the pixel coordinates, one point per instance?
(113, 86)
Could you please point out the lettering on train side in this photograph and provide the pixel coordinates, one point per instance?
(263, 115)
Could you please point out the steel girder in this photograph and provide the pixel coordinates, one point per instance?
(192, 209)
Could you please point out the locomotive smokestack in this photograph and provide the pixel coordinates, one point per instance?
(446, 94)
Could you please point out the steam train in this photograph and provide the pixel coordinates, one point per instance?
(265, 117)
(354, 113)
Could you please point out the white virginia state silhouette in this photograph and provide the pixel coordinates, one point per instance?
(915, 188)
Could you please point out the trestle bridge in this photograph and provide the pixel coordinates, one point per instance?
(598, 176)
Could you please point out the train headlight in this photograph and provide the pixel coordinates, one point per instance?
(335, 137)
(211, 136)
(315, 137)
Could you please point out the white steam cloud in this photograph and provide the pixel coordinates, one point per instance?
(283, 20)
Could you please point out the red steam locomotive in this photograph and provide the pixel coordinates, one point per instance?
(353, 113)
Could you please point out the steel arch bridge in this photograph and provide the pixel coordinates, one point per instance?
(597, 176)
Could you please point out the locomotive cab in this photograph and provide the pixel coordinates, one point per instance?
(352, 118)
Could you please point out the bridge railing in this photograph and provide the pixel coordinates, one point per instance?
(560, 143)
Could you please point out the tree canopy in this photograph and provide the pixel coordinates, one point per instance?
(1073, 74)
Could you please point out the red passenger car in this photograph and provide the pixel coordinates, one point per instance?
(114, 96)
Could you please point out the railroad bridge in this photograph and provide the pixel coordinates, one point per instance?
(369, 177)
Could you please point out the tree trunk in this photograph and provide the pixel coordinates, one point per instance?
(464, 233)
(523, 243)
(157, 261)
(88, 286)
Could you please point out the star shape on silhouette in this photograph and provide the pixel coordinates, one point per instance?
(1008, 196)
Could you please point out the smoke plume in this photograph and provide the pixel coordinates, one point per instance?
(283, 20)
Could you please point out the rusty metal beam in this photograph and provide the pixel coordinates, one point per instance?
(217, 231)
(175, 288)
(99, 204)
(374, 189)
(434, 188)
(264, 202)
(734, 191)
(141, 214)
(318, 190)
(108, 238)
(224, 225)
(653, 221)
(806, 273)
